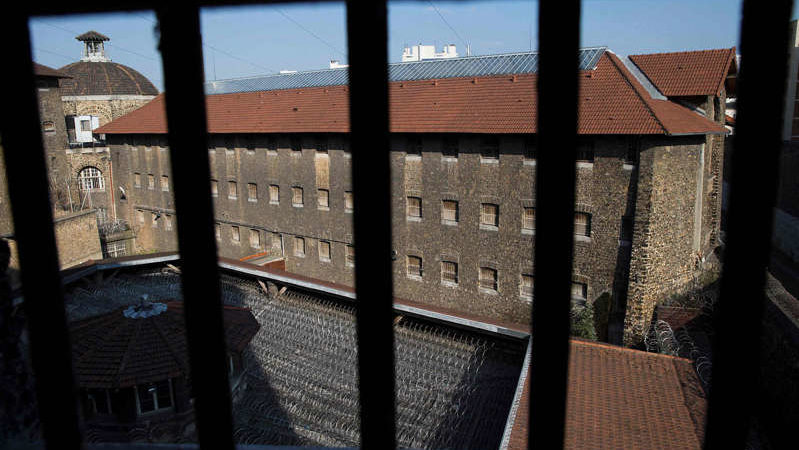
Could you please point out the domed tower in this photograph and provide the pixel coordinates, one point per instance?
(100, 90)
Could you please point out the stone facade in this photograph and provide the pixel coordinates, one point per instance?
(77, 238)
(639, 192)
(107, 108)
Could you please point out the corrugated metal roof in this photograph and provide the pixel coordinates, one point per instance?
(471, 66)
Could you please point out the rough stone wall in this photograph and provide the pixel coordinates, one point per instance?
(106, 110)
(54, 137)
(77, 238)
(663, 255)
(603, 188)
(6, 222)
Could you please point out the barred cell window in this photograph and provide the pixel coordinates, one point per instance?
(489, 148)
(526, 286)
(296, 196)
(252, 192)
(488, 278)
(348, 201)
(167, 222)
(137, 180)
(449, 147)
(151, 182)
(91, 179)
(255, 239)
(232, 190)
(235, 234)
(218, 231)
(115, 249)
(299, 246)
(449, 272)
(214, 188)
(489, 214)
(530, 151)
(528, 219)
(414, 266)
(414, 146)
(324, 251)
(579, 291)
(164, 183)
(350, 255)
(274, 194)
(449, 211)
(582, 224)
(414, 207)
(323, 198)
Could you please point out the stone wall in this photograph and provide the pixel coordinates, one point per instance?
(607, 189)
(106, 110)
(100, 158)
(77, 238)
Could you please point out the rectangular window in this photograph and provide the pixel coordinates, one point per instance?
(488, 278)
(489, 148)
(323, 198)
(414, 146)
(579, 291)
(151, 182)
(324, 251)
(449, 211)
(85, 125)
(154, 396)
(489, 214)
(530, 152)
(214, 188)
(582, 224)
(218, 231)
(164, 183)
(526, 286)
(296, 145)
(274, 194)
(414, 207)
(296, 196)
(48, 126)
(350, 255)
(299, 246)
(167, 222)
(348, 202)
(414, 266)
(235, 234)
(232, 190)
(255, 239)
(155, 217)
(528, 219)
(449, 147)
(252, 192)
(137, 180)
(449, 272)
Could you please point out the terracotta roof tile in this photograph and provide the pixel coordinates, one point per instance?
(610, 103)
(40, 70)
(687, 73)
(623, 398)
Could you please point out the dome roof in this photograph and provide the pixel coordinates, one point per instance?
(104, 78)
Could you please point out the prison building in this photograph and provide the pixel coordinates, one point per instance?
(463, 152)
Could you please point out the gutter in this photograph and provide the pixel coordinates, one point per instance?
(517, 397)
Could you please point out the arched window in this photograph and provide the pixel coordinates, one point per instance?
(91, 179)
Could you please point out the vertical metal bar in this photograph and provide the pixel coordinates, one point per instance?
(26, 172)
(371, 181)
(753, 190)
(181, 49)
(559, 38)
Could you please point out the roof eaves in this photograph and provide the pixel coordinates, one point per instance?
(730, 60)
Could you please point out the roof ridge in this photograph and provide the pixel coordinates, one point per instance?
(124, 362)
(635, 87)
(683, 52)
(172, 350)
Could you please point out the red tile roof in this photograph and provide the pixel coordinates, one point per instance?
(111, 350)
(40, 70)
(611, 102)
(623, 398)
(687, 73)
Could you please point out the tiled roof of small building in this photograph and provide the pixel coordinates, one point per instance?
(612, 101)
(112, 350)
(691, 73)
(92, 35)
(624, 398)
(40, 70)
(104, 78)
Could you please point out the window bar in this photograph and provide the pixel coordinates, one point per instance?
(51, 353)
(371, 180)
(559, 37)
(753, 190)
(181, 49)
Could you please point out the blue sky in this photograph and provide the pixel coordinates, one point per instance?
(248, 41)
